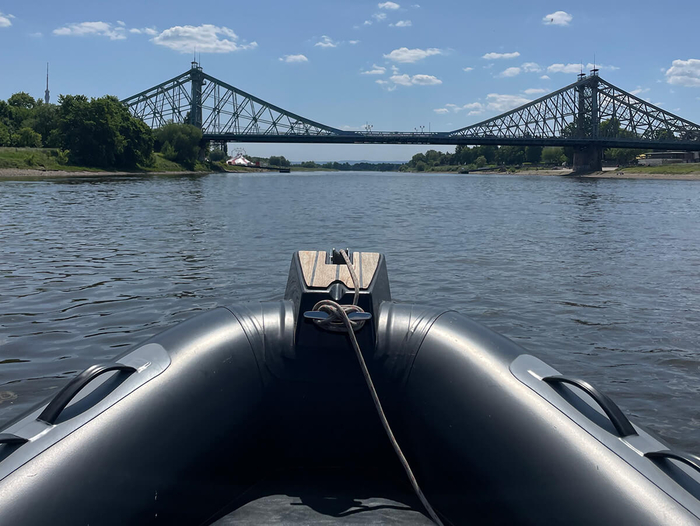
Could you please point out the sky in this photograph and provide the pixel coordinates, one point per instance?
(397, 66)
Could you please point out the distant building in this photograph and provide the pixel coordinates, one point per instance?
(659, 158)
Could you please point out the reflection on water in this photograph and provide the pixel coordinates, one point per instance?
(598, 277)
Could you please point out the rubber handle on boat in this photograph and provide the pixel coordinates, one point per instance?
(9, 438)
(685, 458)
(623, 426)
(62, 399)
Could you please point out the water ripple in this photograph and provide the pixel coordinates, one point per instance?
(599, 278)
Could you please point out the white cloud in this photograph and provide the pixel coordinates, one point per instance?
(326, 42)
(394, 69)
(565, 68)
(386, 84)
(5, 20)
(545, 77)
(402, 23)
(473, 108)
(36, 35)
(104, 29)
(152, 31)
(290, 59)
(403, 54)
(367, 23)
(501, 103)
(120, 23)
(639, 90)
(531, 67)
(684, 73)
(353, 42)
(558, 18)
(534, 91)
(576, 68)
(467, 69)
(379, 16)
(495, 56)
(509, 72)
(376, 70)
(425, 80)
(403, 80)
(388, 5)
(206, 38)
(407, 80)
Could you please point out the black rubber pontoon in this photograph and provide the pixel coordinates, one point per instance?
(254, 415)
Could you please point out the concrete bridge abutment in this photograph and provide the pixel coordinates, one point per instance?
(588, 159)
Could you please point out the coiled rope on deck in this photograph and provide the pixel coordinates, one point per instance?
(338, 321)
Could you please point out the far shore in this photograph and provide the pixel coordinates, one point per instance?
(610, 174)
(26, 173)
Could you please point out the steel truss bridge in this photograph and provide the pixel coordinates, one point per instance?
(591, 114)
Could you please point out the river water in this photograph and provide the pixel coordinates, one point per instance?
(600, 278)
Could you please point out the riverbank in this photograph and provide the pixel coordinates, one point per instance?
(685, 172)
(17, 173)
(51, 162)
(680, 172)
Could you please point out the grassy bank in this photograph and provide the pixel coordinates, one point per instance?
(52, 159)
(678, 169)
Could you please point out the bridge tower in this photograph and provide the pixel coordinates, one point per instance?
(588, 158)
(197, 82)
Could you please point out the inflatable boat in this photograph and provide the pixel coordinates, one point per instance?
(261, 414)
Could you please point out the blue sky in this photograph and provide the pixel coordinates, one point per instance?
(396, 65)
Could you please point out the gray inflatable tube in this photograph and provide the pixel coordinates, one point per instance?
(252, 414)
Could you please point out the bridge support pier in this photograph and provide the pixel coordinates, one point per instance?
(588, 159)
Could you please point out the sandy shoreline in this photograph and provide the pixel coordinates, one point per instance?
(609, 174)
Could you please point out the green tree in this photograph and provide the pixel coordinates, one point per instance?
(168, 151)
(184, 139)
(464, 154)
(434, 158)
(5, 113)
(27, 138)
(4, 135)
(622, 156)
(510, 155)
(102, 132)
(217, 155)
(480, 161)
(279, 161)
(44, 120)
(138, 143)
(553, 155)
(533, 154)
(22, 100)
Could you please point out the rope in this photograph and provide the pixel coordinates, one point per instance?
(338, 321)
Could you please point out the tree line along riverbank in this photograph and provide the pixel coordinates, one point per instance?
(98, 134)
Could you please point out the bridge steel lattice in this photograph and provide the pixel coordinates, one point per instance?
(589, 115)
